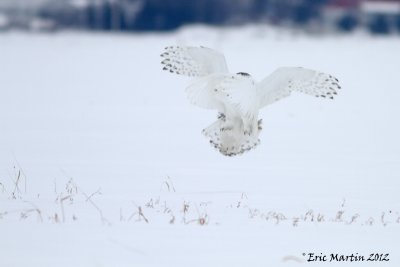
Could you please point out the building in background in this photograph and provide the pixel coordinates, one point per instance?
(381, 16)
(378, 16)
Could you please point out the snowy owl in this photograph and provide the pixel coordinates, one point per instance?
(238, 97)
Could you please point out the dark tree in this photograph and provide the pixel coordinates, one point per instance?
(379, 25)
(347, 23)
(397, 22)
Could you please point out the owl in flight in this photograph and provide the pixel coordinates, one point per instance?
(238, 97)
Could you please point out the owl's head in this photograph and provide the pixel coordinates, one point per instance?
(244, 77)
(245, 74)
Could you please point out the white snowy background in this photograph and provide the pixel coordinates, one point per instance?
(102, 161)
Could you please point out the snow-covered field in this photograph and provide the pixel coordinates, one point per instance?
(102, 161)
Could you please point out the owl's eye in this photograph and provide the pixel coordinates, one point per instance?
(243, 74)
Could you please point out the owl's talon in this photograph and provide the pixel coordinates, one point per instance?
(259, 124)
(221, 116)
(227, 128)
(248, 131)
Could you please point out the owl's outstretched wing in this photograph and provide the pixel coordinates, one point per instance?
(193, 61)
(201, 92)
(282, 82)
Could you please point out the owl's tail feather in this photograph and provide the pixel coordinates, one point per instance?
(230, 142)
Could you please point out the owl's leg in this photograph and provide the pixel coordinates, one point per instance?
(248, 130)
(227, 127)
(250, 127)
(229, 119)
(228, 124)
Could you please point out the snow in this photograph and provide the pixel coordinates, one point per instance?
(92, 130)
